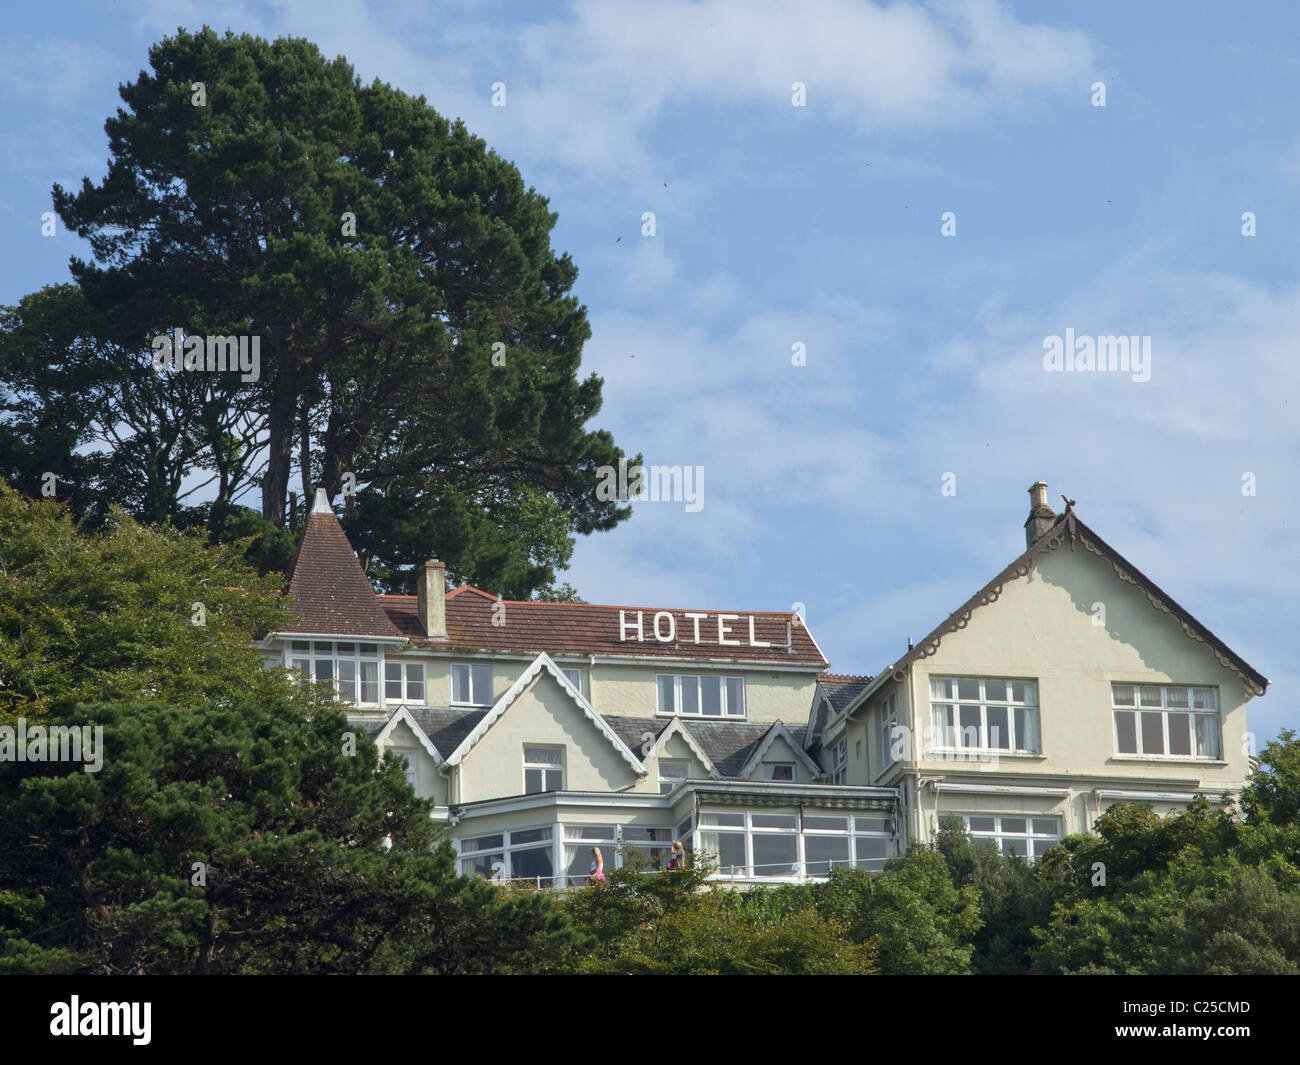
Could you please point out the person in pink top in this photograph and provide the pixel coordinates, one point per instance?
(597, 867)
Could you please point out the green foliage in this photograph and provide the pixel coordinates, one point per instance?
(109, 615)
(416, 328)
(316, 861)
(911, 917)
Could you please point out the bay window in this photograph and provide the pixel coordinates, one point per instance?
(350, 670)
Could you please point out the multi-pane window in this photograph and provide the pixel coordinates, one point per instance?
(471, 684)
(779, 771)
(578, 843)
(671, 773)
(700, 696)
(404, 682)
(1025, 837)
(575, 678)
(525, 853)
(543, 769)
(840, 763)
(351, 670)
(982, 714)
(1166, 721)
(888, 722)
(409, 770)
(761, 844)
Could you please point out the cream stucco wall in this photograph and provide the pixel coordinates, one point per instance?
(542, 714)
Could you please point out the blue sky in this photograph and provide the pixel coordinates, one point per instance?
(821, 225)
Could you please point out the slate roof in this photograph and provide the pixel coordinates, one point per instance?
(590, 628)
(840, 690)
(729, 744)
(329, 592)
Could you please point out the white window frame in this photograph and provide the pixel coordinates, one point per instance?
(482, 670)
(406, 684)
(1193, 693)
(888, 721)
(1000, 834)
(944, 734)
(770, 772)
(840, 762)
(575, 678)
(726, 710)
(332, 651)
(545, 768)
(860, 826)
(666, 782)
(410, 754)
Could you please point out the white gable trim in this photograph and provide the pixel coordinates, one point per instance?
(676, 728)
(403, 714)
(544, 661)
(769, 738)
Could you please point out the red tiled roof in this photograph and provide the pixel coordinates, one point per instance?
(329, 592)
(589, 628)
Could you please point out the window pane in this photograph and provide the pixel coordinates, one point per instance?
(822, 853)
(482, 684)
(1207, 735)
(459, 682)
(980, 824)
(1180, 734)
(775, 855)
(1124, 694)
(1046, 826)
(943, 731)
(392, 680)
(999, 729)
(711, 696)
(1026, 722)
(415, 682)
(970, 727)
(347, 676)
(482, 865)
(483, 843)
(574, 677)
(370, 648)
(592, 832)
(324, 669)
(1042, 846)
(529, 835)
(775, 821)
(1205, 699)
(871, 852)
(1149, 695)
(1153, 733)
(940, 688)
(995, 691)
(725, 820)
(1126, 731)
(578, 860)
(675, 770)
(835, 824)
(735, 697)
(1013, 824)
(1018, 847)
(730, 848)
(554, 779)
(301, 645)
(873, 824)
(347, 648)
(536, 861)
(690, 695)
(666, 703)
(369, 682)
(968, 689)
(1176, 698)
(544, 755)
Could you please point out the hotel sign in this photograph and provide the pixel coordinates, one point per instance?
(663, 627)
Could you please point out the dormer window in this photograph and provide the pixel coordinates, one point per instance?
(779, 771)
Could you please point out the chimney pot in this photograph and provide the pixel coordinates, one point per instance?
(1041, 516)
(431, 598)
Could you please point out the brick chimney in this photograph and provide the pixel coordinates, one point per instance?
(431, 598)
(1041, 516)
